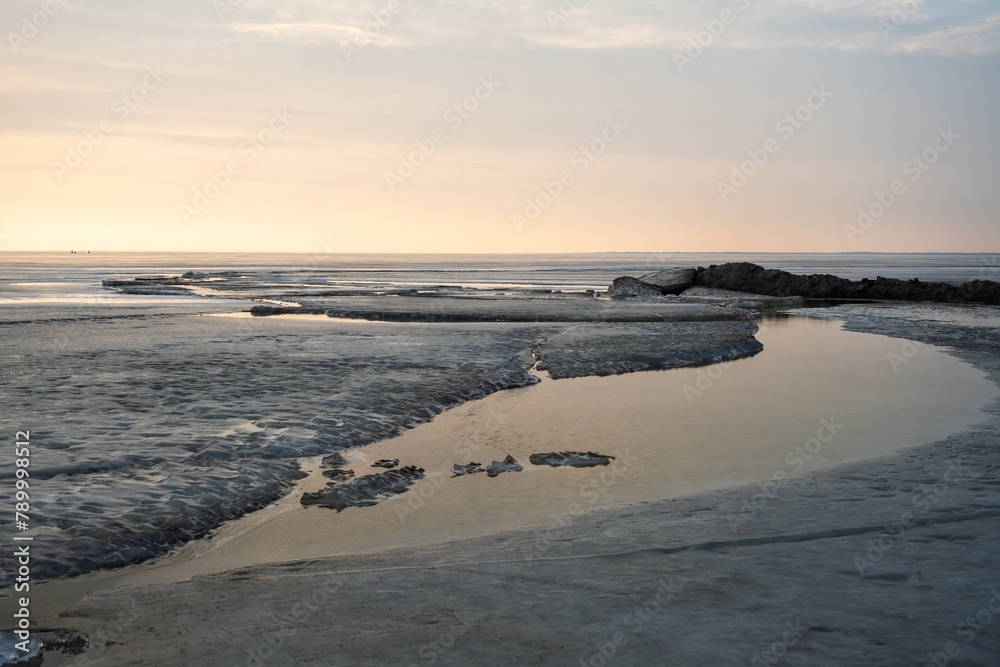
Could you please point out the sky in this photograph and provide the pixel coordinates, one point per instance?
(500, 126)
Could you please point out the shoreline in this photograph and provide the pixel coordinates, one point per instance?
(581, 532)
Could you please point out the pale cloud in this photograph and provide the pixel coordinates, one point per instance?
(295, 31)
(932, 26)
(876, 8)
(937, 26)
(583, 24)
(977, 38)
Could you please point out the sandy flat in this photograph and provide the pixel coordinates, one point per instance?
(888, 562)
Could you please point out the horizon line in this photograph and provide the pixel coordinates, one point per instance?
(497, 254)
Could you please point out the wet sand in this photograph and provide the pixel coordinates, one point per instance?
(719, 577)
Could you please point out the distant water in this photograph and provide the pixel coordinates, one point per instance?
(555, 269)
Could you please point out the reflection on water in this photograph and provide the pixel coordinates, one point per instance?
(817, 396)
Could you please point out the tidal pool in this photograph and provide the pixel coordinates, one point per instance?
(817, 396)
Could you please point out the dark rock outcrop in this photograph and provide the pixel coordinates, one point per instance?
(334, 460)
(670, 281)
(467, 469)
(747, 277)
(339, 474)
(158, 286)
(507, 465)
(628, 287)
(572, 459)
(267, 311)
(365, 491)
(386, 463)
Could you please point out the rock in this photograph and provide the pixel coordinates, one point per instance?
(670, 281)
(628, 287)
(467, 469)
(365, 491)
(507, 465)
(734, 299)
(573, 459)
(338, 474)
(139, 288)
(11, 655)
(747, 277)
(334, 461)
(657, 283)
(63, 641)
(386, 463)
(766, 303)
(267, 311)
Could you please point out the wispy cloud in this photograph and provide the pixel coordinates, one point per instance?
(297, 31)
(973, 37)
(938, 26)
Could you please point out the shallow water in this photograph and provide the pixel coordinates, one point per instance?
(816, 397)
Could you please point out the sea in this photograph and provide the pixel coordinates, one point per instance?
(469, 269)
